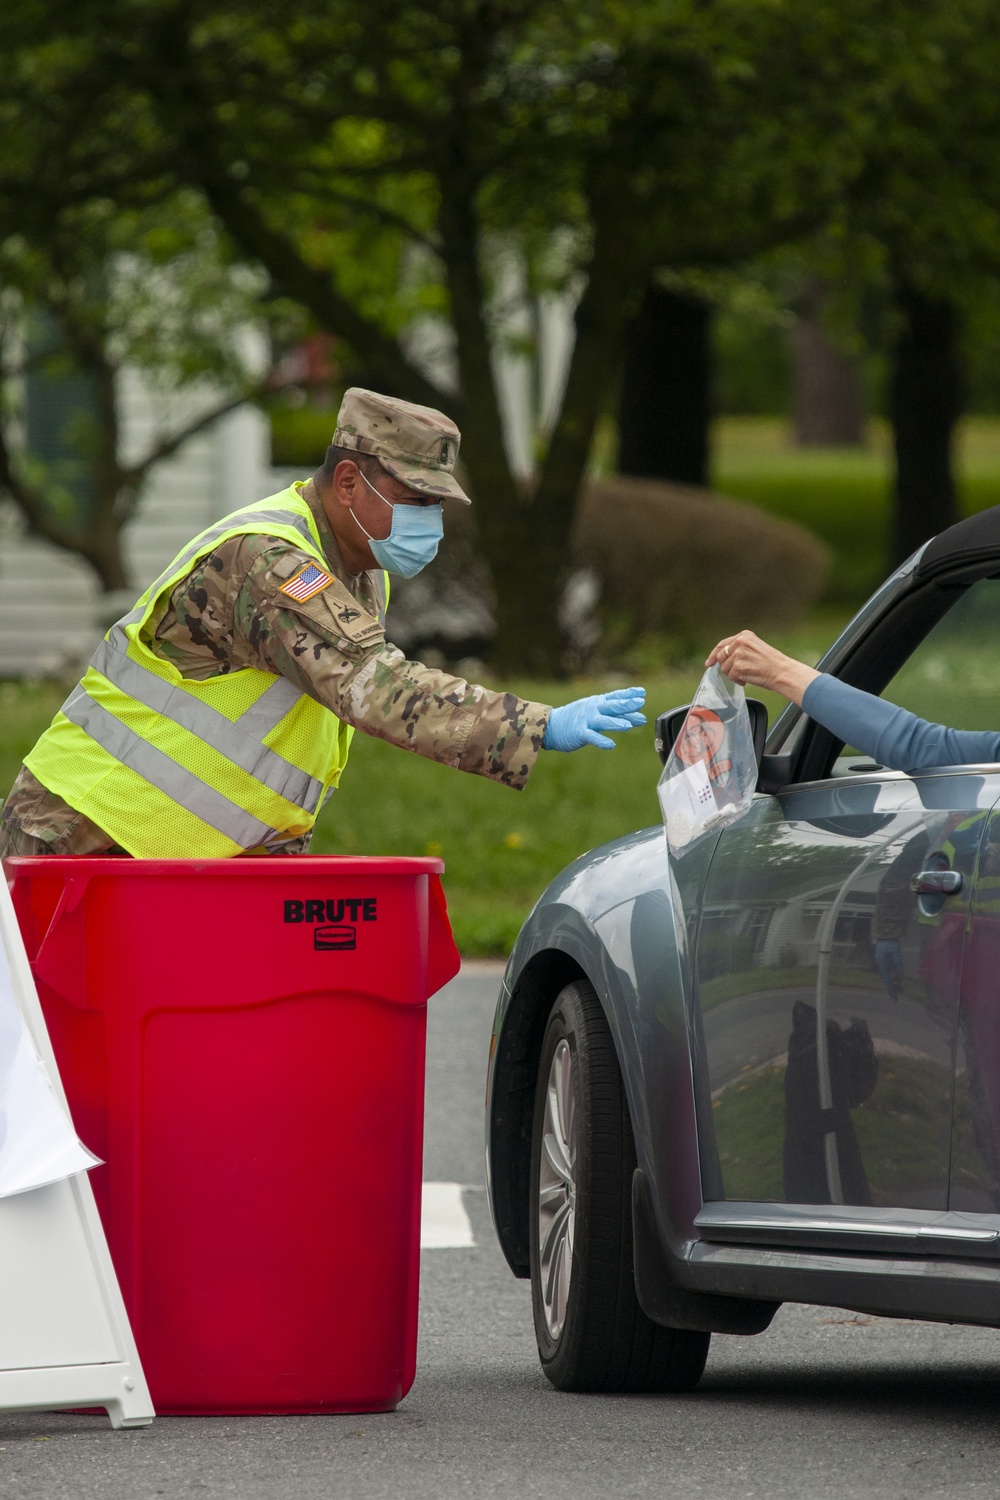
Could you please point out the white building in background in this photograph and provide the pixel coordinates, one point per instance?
(52, 613)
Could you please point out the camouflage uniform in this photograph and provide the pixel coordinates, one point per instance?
(228, 614)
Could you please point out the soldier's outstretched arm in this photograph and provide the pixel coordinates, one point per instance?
(335, 649)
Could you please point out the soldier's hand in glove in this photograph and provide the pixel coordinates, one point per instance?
(580, 723)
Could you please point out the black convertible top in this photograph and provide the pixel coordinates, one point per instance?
(976, 539)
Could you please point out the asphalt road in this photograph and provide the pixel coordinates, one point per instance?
(825, 1404)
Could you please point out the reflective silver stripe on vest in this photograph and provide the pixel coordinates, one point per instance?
(378, 582)
(213, 534)
(179, 784)
(271, 707)
(230, 739)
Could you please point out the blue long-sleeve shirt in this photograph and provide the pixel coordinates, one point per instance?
(892, 736)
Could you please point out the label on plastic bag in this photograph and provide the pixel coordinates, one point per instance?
(684, 799)
(710, 775)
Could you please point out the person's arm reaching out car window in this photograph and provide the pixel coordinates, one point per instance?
(890, 735)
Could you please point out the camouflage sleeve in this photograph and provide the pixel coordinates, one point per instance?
(195, 630)
(333, 646)
(34, 820)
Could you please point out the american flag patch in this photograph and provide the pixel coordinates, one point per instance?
(306, 582)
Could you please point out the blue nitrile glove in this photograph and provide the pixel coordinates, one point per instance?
(578, 724)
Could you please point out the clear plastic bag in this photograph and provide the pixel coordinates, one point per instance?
(710, 774)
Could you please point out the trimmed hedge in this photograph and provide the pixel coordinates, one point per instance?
(673, 560)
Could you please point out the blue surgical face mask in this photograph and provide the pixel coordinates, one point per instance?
(413, 538)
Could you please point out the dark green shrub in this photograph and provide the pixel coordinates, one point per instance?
(679, 562)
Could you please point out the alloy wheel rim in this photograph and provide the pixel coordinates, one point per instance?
(557, 1189)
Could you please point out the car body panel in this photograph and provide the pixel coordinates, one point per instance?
(975, 1172)
(629, 951)
(798, 895)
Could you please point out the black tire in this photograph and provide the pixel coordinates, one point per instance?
(596, 1337)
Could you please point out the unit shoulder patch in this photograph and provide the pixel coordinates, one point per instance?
(308, 581)
(353, 622)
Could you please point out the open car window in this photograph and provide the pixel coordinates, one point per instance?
(953, 675)
(928, 639)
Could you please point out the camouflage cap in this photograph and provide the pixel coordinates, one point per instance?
(416, 444)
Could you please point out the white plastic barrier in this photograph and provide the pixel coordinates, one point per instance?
(65, 1339)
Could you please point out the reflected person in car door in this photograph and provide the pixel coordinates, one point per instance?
(899, 740)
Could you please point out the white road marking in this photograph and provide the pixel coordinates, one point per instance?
(444, 1224)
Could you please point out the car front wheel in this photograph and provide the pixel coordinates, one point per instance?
(592, 1334)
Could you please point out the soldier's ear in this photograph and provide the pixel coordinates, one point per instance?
(346, 482)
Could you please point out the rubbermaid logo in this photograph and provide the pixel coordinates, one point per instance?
(325, 938)
(329, 919)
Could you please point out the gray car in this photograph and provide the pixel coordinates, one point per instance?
(769, 1071)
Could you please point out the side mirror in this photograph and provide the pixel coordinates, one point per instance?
(668, 727)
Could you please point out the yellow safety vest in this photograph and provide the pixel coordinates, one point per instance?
(172, 769)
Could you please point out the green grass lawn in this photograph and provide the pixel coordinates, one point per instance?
(843, 494)
(501, 848)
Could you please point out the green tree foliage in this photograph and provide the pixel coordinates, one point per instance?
(909, 256)
(920, 226)
(97, 290)
(373, 159)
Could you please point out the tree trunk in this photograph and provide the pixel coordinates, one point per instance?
(531, 557)
(528, 637)
(828, 402)
(926, 398)
(665, 405)
(102, 548)
(70, 431)
(113, 499)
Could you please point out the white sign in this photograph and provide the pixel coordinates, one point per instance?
(38, 1144)
(65, 1339)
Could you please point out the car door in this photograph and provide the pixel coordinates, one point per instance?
(828, 998)
(828, 968)
(975, 1161)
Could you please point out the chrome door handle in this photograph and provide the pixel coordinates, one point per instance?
(937, 883)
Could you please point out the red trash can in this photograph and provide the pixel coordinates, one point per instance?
(242, 1042)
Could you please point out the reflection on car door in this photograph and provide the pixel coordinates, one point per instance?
(827, 990)
(975, 1161)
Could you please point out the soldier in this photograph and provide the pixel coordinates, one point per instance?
(215, 717)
